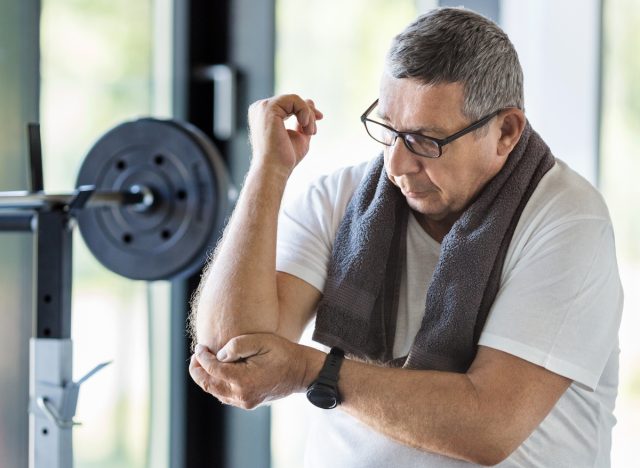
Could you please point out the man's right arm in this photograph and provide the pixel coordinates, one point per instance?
(240, 292)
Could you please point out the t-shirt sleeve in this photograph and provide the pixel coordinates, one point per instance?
(307, 225)
(304, 237)
(560, 301)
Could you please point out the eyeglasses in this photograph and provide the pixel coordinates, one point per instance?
(417, 143)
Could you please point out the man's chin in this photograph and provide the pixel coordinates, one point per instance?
(427, 209)
(432, 211)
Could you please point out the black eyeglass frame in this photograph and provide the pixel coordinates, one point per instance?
(440, 142)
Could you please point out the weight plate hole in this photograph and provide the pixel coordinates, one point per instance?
(127, 238)
(181, 194)
(45, 431)
(165, 234)
(121, 165)
(158, 159)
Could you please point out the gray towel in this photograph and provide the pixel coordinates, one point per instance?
(359, 306)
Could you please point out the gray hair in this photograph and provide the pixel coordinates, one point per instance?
(449, 45)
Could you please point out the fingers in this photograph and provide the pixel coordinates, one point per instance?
(304, 110)
(317, 115)
(223, 380)
(207, 382)
(209, 363)
(240, 347)
(206, 359)
(272, 139)
(288, 105)
(249, 370)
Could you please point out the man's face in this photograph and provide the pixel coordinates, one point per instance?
(437, 190)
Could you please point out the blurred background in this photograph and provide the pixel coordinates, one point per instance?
(80, 67)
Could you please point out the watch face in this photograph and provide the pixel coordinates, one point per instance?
(323, 396)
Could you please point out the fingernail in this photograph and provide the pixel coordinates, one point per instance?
(199, 349)
(222, 355)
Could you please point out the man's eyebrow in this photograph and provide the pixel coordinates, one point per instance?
(432, 130)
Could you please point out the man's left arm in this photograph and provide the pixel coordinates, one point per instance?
(480, 416)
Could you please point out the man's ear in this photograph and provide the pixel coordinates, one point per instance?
(511, 122)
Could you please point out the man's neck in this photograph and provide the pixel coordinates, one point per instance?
(437, 229)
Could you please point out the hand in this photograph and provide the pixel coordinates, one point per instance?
(252, 369)
(272, 142)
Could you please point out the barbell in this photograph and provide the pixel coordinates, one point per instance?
(156, 196)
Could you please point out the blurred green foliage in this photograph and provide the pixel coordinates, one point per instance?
(96, 71)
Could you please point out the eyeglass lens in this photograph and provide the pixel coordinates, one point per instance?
(418, 144)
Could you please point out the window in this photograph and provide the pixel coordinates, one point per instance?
(18, 72)
(619, 167)
(349, 41)
(97, 71)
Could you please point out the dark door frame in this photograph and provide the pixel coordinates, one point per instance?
(241, 35)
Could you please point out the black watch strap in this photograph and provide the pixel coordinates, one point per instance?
(323, 392)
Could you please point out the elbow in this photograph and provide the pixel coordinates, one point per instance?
(491, 450)
(206, 327)
(480, 446)
(475, 449)
(491, 455)
(201, 333)
(214, 325)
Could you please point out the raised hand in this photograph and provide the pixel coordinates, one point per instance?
(273, 143)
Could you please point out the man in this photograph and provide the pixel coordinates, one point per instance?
(469, 276)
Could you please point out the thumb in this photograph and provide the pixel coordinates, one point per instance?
(240, 347)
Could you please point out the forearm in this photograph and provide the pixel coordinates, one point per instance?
(439, 412)
(481, 416)
(238, 293)
(435, 411)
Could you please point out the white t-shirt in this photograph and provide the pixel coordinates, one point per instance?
(559, 306)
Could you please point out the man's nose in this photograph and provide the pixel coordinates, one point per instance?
(401, 161)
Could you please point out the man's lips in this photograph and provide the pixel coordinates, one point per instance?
(415, 193)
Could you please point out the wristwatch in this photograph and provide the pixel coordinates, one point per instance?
(323, 392)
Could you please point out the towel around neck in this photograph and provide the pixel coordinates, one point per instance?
(359, 305)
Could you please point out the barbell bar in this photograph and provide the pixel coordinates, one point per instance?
(42, 201)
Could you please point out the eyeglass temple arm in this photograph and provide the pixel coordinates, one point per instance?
(364, 116)
(468, 129)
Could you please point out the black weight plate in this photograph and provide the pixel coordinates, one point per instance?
(191, 191)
